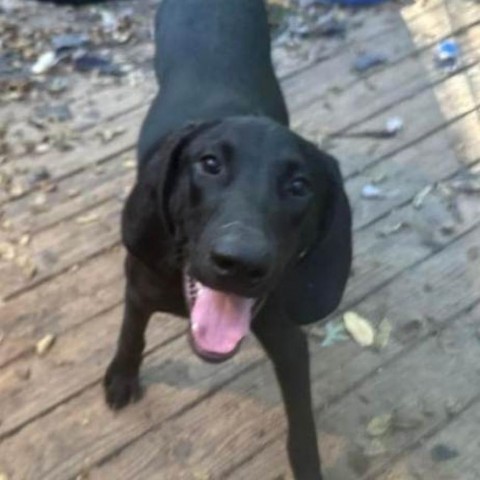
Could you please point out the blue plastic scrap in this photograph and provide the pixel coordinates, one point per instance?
(448, 55)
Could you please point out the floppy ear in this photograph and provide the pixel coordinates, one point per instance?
(315, 285)
(147, 231)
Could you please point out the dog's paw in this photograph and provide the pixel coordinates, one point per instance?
(121, 388)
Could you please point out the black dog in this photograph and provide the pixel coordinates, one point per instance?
(234, 220)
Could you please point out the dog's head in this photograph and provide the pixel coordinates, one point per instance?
(252, 211)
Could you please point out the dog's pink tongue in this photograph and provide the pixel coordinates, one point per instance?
(220, 320)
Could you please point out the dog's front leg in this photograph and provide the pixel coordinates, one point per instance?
(121, 382)
(286, 345)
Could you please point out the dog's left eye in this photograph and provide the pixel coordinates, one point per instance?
(211, 165)
(299, 187)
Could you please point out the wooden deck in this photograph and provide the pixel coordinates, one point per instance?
(417, 264)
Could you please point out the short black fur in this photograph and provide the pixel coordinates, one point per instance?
(216, 155)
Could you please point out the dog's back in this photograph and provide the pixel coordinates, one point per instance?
(212, 60)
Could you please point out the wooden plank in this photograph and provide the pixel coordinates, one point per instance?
(72, 230)
(93, 151)
(406, 76)
(424, 393)
(473, 149)
(76, 195)
(396, 42)
(445, 103)
(446, 275)
(408, 172)
(418, 124)
(81, 158)
(62, 247)
(414, 180)
(61, 304)
(77, 361)
(461, 435)
(368, 258)
(212, 447)
(81, 418)
(363, 26)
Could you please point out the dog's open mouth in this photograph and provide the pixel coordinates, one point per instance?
(218, 320)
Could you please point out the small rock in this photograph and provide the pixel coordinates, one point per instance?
(444, 453)
(45, 344)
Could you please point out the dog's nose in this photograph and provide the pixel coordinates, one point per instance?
(250, 263)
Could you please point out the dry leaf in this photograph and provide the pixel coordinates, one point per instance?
(379, 426)
(359, 328)
(7, 251)
(45, 344)
(72, 193)
(199, 475)
(375, 448)
(3, 476)
(129, 164)
(419, 199)
(24, 240)
(27, 265)
(7, 224)
(16, 191)
(383, 334)
(87, 218)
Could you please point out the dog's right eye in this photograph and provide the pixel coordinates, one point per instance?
(211, 165)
